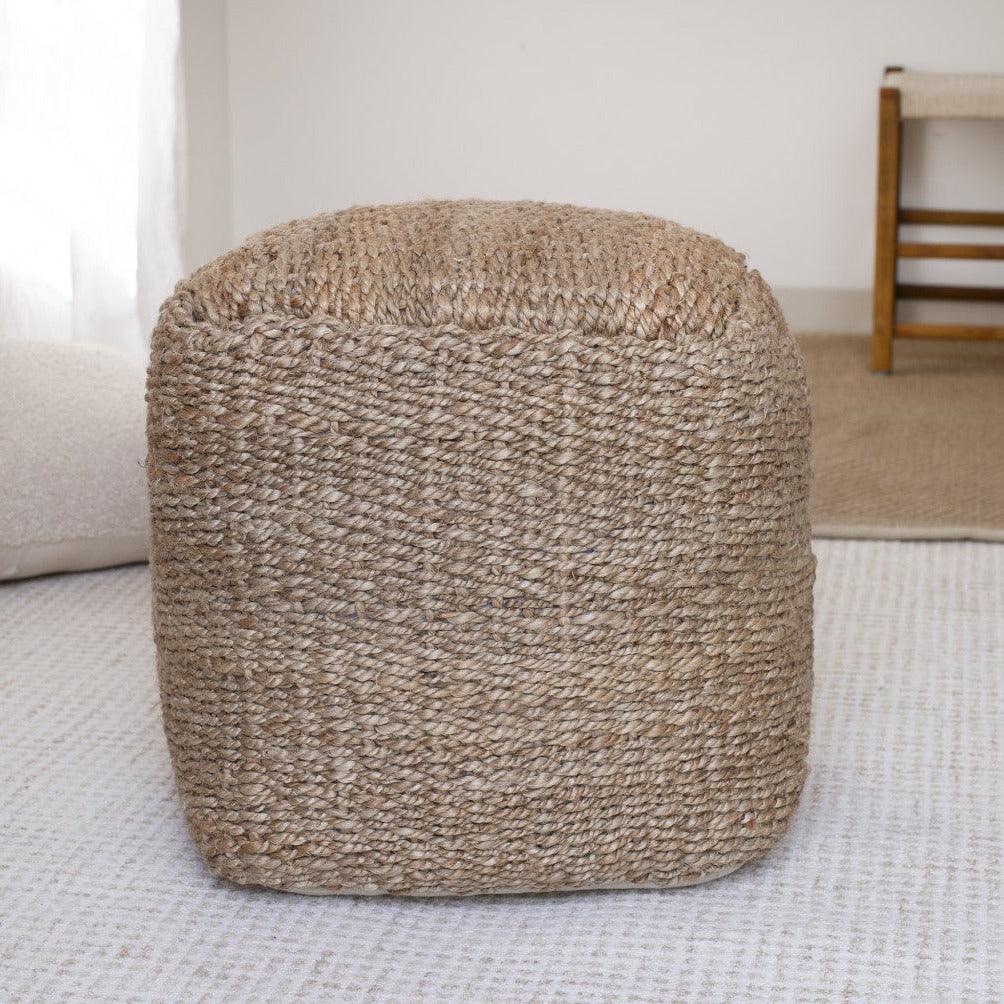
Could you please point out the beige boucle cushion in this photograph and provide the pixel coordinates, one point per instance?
(948, 95)
(71, 459)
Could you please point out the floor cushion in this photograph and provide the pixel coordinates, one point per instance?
(72, 450)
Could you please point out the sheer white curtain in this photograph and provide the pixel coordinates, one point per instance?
(89, 147)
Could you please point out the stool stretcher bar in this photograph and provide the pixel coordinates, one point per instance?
(966, 332)
(985, 252)
(916, 291)
(953, 217)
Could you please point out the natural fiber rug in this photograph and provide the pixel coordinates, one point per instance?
(915, 454)
(886, 888)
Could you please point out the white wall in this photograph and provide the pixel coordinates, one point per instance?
(754, 121)
(208, 226)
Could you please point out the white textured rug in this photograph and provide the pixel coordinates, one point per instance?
(888, 887)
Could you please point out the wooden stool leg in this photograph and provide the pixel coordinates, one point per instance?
(886, 216)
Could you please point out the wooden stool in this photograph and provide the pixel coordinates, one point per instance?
(913, 96)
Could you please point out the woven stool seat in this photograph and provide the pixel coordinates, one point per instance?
(480, 553)
(948, 95)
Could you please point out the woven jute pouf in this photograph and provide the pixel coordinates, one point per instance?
(480, 553)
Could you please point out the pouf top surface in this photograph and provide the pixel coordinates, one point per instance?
(480, 265)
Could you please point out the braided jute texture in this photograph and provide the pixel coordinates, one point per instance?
(480, 553)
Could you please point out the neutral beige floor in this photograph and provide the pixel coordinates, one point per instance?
(918, 453)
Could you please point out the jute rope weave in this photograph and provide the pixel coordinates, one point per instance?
(480, 553)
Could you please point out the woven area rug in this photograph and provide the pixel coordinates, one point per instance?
(887, 887)
(915, 454)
